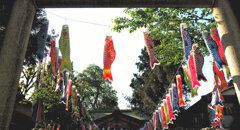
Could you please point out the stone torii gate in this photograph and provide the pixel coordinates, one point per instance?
(13, 48)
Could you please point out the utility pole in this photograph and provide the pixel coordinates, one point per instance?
(12, 54)
(229, 31)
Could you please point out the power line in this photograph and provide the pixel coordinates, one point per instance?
(80, 21)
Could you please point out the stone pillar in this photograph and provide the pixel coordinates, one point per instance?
(12, 54)
(229, 31)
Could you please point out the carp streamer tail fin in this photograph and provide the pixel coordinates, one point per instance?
(107, 74)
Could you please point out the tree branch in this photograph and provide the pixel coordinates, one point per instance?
(24, 74)
(212, 20)
(199, 18)
(33, 76)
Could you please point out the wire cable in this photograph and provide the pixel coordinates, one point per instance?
(80, 21)
(174, 76)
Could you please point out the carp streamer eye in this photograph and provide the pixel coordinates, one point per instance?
(184, 33)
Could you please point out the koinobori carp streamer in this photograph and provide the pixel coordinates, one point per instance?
(169, 104)
(198, 62)
(187, 42)
(64, 46)
(221, 76)
(42, 39)
(150, 49)
(192, 69)
(175, 99)
(179, 86)
(216, 38)
(53, 57)
(213, 49)
(109, 57)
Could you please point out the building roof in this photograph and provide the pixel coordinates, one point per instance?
(96, 114)
(228, 91)
(125, 119)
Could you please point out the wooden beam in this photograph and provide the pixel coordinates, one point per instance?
(227, 15)
(125, 3)
(12, 54)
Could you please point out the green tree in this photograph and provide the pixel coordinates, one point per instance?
(5, 11)
(53, 109)
(30, 69)
(94, 91)
(164, 27)
(28, 76)
(30, 56)
(27, 82)
(149, 86)
(46, 90)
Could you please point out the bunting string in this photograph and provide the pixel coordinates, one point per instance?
(193, 54)
(171, 81)
(79, 21)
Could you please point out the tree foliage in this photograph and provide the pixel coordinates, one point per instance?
(46, 89)
(149, 86)
(5, 12)
(97, 93)
(30, 69)
(45, 92)
(30, 56)
(93, 92)
(28, 75)
(164, 27)
(27, 82)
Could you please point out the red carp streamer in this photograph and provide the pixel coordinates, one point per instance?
(192, 69)
(68, 92)
(150, 49)
(179, 86)
(53, 57)
(220, 75)
(109, 57)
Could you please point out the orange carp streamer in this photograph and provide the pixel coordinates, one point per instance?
(109, 57)
(179, 86)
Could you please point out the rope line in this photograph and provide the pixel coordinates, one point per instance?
(80, 21)
(174, 76)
